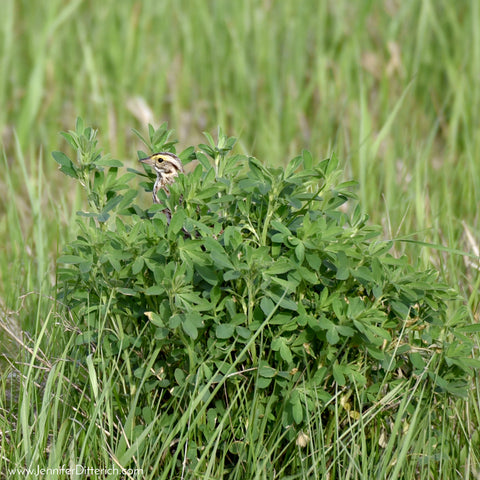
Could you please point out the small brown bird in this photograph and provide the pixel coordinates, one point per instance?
(167, 166)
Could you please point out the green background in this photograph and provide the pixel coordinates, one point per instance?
(392, 87)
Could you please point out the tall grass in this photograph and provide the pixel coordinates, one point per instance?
(390, 87)
(47, 430)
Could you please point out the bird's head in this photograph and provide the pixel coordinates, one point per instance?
(165, 164)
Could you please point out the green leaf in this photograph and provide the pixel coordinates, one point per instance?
(288, 285)
(474, 328)
(355, 307)
(281, 227)
(364, 274)
(286, 353)
(179, 376)
(112, 203)
(284, 302)
(307, 275)
(257, 170)
(300, 252)
(85, 267)
(332, 165)
(176, 223)
(332, 336)
(231, 275)
(220, 259)
(137, 265)
(338, 374)
(209, 139)
(243, 332)
(155, 290)
(66, 165)
(232, 237)
(79, 125)
(280, 345)
(218, 255)
(267, 306)
(190, 328)
(277, 342)
(343, 271)
(263, 382)
(297, 408)
(128, 291)
(376, 353)
(224, 331)
(186, 154)
(417, 361)
(155, 318)
(71, 139)
(401, 309)
(70, 259)
(292, 166)
(208, 273)
(202, 158)
(346, 331)
(307, 160)
(267, 371)
(282, 265)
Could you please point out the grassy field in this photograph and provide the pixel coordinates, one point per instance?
(390, 87)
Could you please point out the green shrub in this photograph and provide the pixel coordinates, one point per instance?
(263, 283)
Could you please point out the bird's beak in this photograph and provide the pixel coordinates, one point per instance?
(147, 161)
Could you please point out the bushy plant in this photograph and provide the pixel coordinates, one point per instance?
(266, 280)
